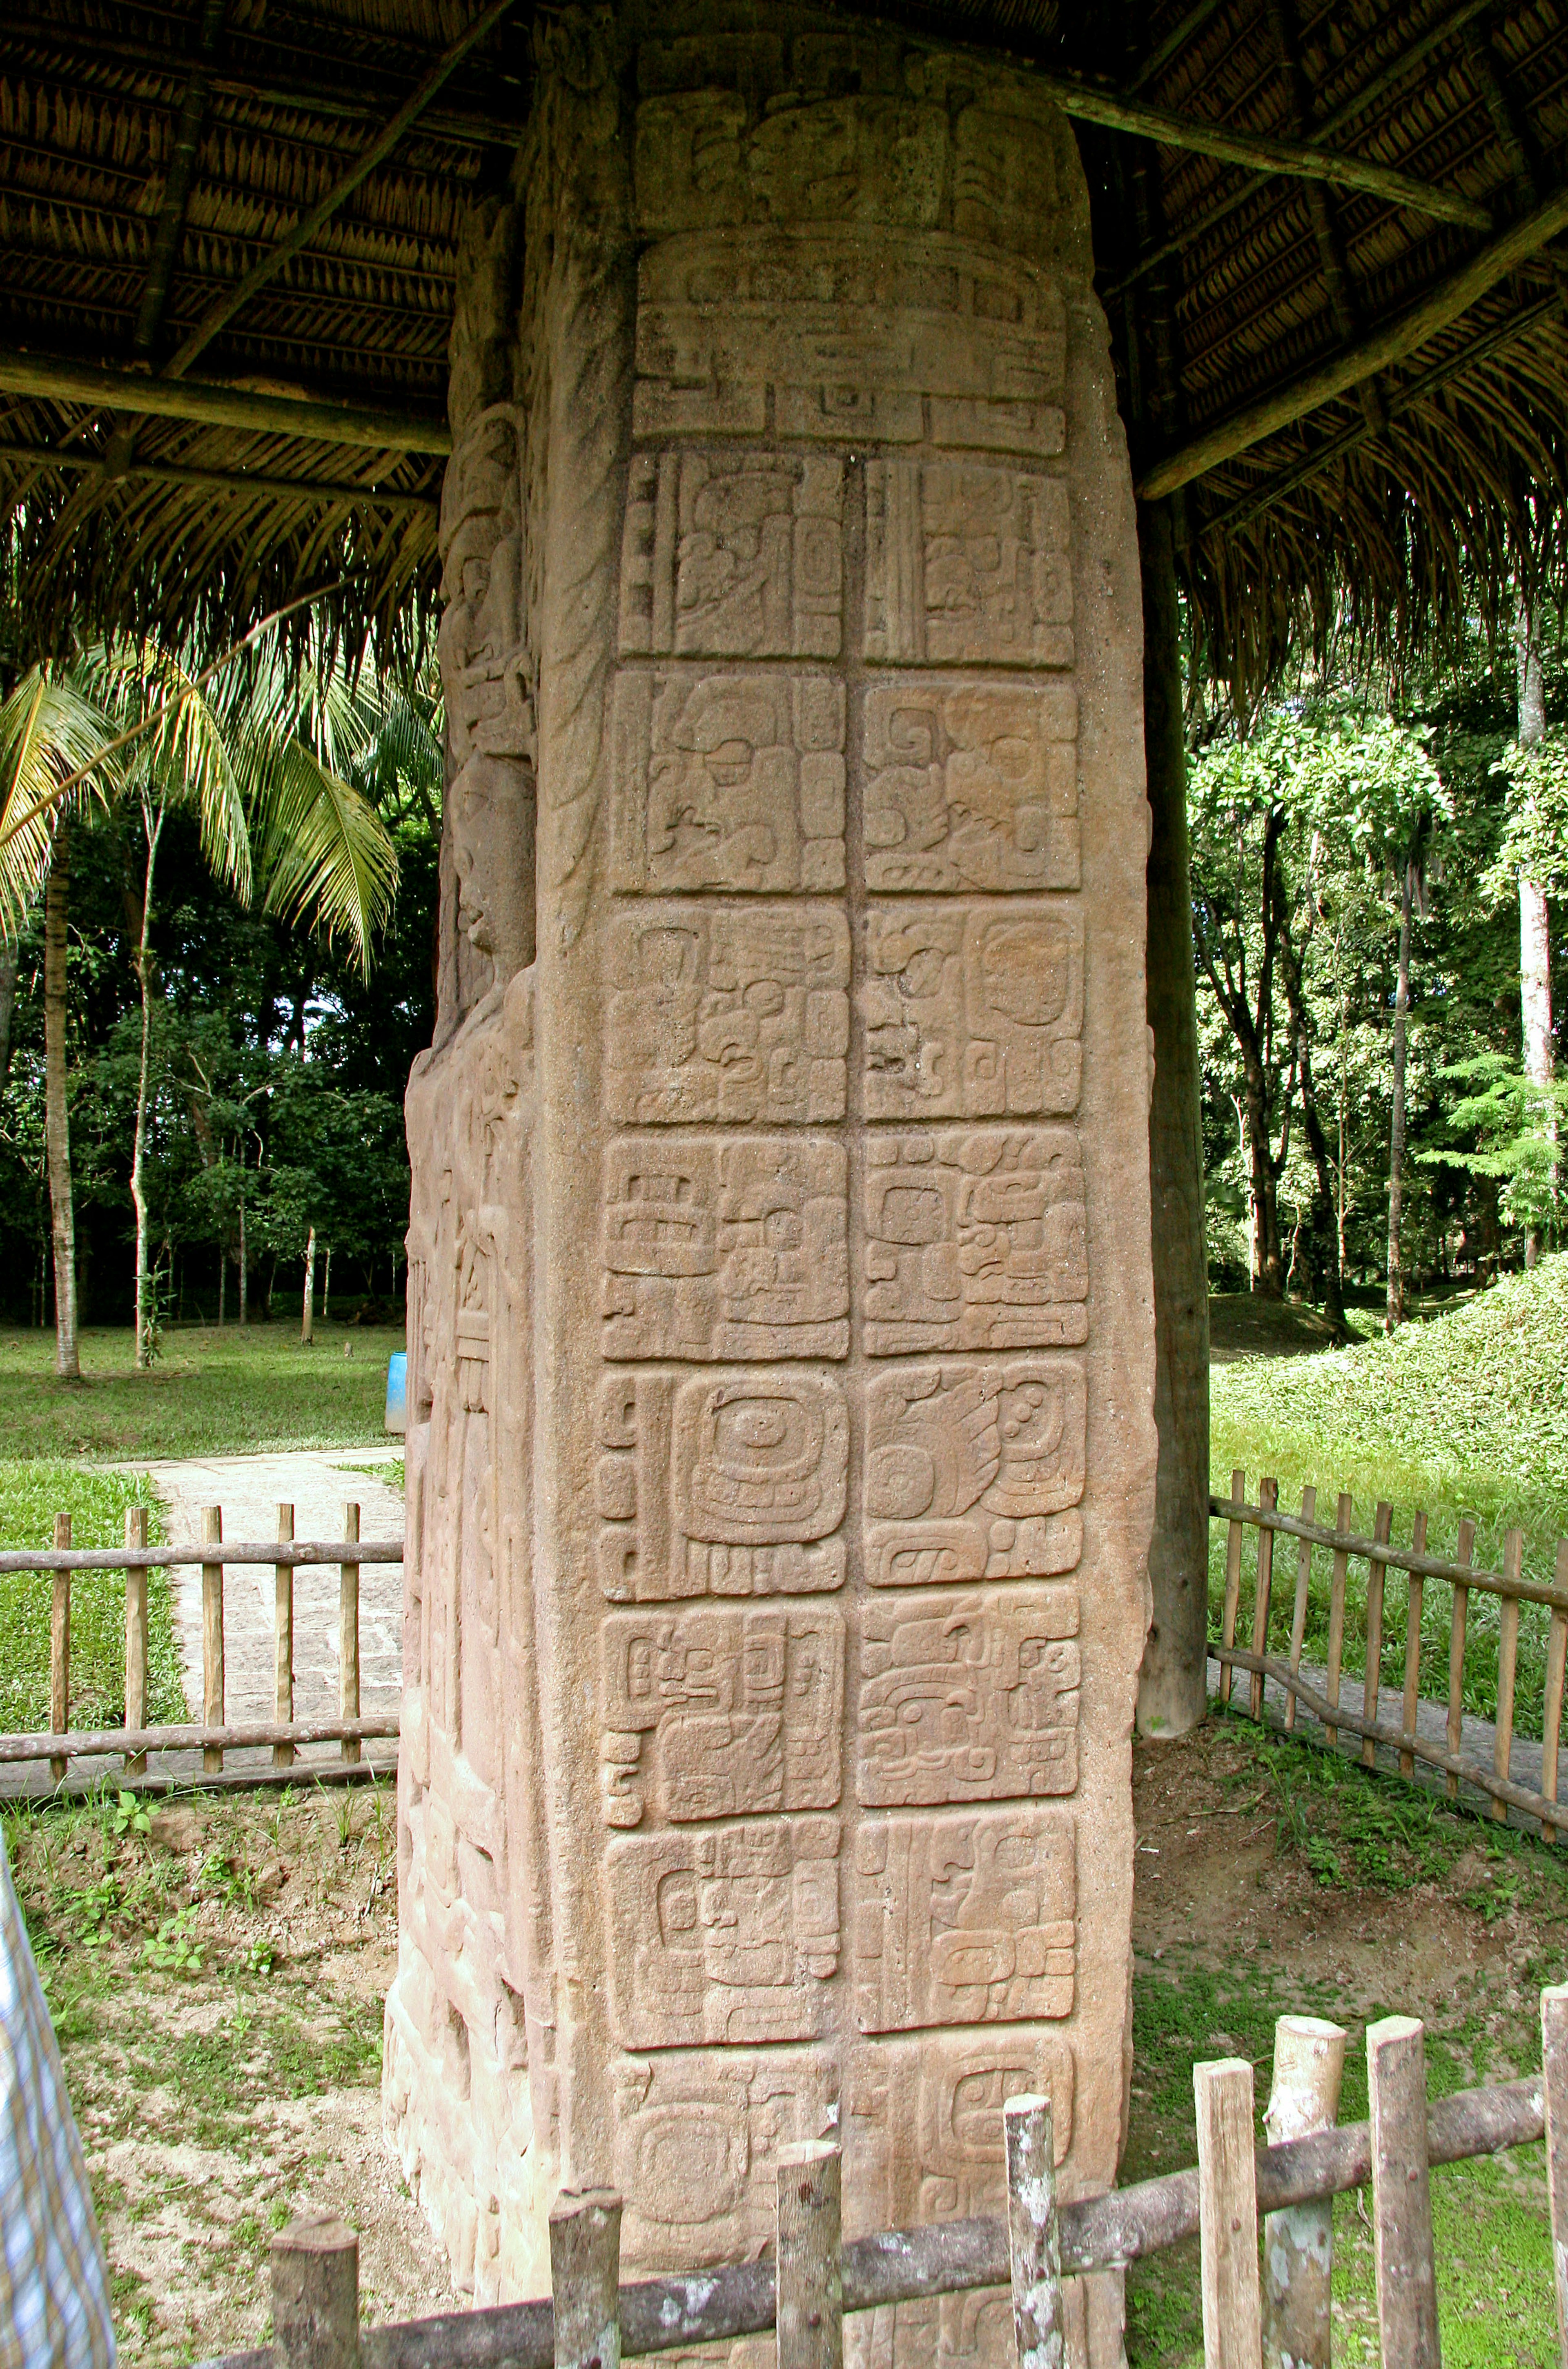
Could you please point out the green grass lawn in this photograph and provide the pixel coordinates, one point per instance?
(211, 1392)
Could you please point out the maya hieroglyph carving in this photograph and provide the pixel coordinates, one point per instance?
(780, 1466)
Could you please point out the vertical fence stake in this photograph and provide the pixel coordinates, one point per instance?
(1268, 1498)
(316, 2295)
(810, 2306)
(1507, 1664)
(1401, 2194)
(1298, 2243)
(60, 1646)
(213, 1634)
(1552, 1718)
(1462, 1554)
(1344, 1515)
(584, 2278)
(1232, 1581)
(1554, 2082)
(1303, 1590)
(1376, 1571)
(135, 1635)
(1228, 2214)
(283, 1638)
(349, 1635)
(1034, 2240)
(1412, 1647)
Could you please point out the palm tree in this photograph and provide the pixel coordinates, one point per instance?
(249, 750)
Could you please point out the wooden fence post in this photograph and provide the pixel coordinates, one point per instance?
(349, 1634)
(1507, 1665)
(1371, 1686)
(1344, 1515)
(1554, 2083)
(1401, 2194)
(135, 1635)
(316, 2295)
(1034, 2239)
(810, 2304)
(1461, 1618)
(213, 1634)
(283, 1640)
(1551, 1710)
(60, 1646)
(1298, 2243)
(1228, 2214)
(1413, 1647)
(1303, 1590)
(1268, 1499)
(584, 2278)
(1232, 1581)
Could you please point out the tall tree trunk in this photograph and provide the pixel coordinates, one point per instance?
(1326, 1226)
(56, 1124)
(243, 1254)
(307, 1322)
(9, 958)
(1268, 1258)
(1393, 1312)
(138, 1190)
(1535, 941)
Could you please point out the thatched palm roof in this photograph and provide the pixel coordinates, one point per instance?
(154, 152)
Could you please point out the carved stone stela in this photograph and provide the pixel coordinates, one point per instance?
(781, 1468)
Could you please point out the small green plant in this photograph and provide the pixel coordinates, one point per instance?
(260, 1958)
(175, 1949)
(94, 1908)
(125, 1815)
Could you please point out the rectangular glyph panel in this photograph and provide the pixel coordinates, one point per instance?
(966, 565)
(719, 1014)
(722, 1713)
(969, 786)
(696, 2140)
(727, 780)
(733, 556)
(975, 1238)
(920, 2117)
(968, 1917)
(969, 1698)
(721, 1484)
(719, 1248)
(972, 1011)
(974, 1471)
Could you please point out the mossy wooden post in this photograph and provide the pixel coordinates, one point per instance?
(1173, 1693)
(1345, 1514)
(135, 1635)
(349, 1634)
(810, 2304)
(1555, 2081)
(60, 1647)
(283, 1638)
(1232, 1581)
(1376, 1569)
(316, 2295)
(1401, 2194)
(1507, 1665)
(1303, 1592)
(1461, 1619)
(212, 1635)
(1298, 2243)
(1228, 2214)
(1413, 1648)
(584, 2278)
(1034, 2237)
(1552, 1718)
(1268, 1499)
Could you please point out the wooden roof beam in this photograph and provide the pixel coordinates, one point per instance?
(1444, 303)
(233, 481)
(177, 184)
(57, 380)
(218, 316)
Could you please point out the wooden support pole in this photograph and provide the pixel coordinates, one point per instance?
(212, 1635)
(1268, 1498)
(283, 1640)
(1507, 1665)
(59, 1646)
(1552, 1712)
(584, 2278)
(1401, 2194)
(1303, 1591)
(1463, 1554)
(349, 1634)
(1233, 1579)
(135, 1635)
(1034, 2234)
(327, 493)
(810, 2308)
(1554, 2082)
(58, 379)
(1228, 2214)
(1412, 1647)
(1344, 1516)
(1298, 2242)
(316, 2295)
(1372, 1685)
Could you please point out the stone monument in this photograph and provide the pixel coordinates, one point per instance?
(780, 1463)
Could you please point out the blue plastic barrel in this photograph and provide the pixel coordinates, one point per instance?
(397, 1391)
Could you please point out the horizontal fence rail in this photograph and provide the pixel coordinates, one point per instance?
(814, 2278)
(215, 1734)
(1508, 1587)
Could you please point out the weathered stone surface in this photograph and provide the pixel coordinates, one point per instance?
(781, 1458)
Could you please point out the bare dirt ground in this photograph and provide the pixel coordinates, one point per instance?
(217, 1982)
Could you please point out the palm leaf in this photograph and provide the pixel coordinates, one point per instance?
(49, 731)
(318, 847)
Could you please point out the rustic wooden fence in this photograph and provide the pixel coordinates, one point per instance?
(1416, 1566)
(1275, 2313)
(214, 1735)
